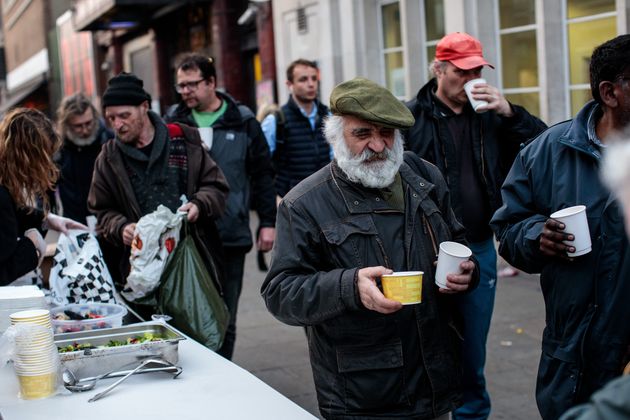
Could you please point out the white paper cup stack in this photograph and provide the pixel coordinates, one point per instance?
(36, 359)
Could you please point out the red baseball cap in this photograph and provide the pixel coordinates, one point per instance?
(462, 50)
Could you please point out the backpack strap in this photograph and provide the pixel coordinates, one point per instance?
(279, 153)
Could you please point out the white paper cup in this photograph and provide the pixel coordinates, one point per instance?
(206, 136)
(575, 223)
(477, 105)
(450, 256)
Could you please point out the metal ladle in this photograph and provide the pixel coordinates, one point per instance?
(73, 384)
(115, 384)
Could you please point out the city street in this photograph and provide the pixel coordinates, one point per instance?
(277, 353)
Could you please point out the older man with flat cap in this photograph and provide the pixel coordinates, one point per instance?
(374, 210)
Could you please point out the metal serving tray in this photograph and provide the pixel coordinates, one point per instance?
(93, 362)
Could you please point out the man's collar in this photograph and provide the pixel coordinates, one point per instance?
(591, 125)
(298, 106)
(361, 199)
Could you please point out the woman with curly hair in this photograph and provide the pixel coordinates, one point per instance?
(28, 142)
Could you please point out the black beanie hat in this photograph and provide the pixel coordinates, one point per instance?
(125, 89)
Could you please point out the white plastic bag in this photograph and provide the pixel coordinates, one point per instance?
(156, 236)
(79, 273)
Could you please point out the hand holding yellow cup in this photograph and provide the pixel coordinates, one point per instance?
(403, 286)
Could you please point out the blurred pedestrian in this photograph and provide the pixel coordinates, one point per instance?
(83, 134)
(368, 213)
(238, 145)
(612, 402)
(294, 133)
(149, 164)
(587, 333)
(27, 174)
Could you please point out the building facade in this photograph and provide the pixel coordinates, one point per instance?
(146, 37)
(30, 49)
(541, 48)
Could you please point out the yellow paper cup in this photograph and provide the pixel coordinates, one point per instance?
(403, 286)
(33, 387)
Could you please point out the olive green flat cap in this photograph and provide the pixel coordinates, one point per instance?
(368, 101)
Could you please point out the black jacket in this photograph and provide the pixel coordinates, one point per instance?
(496, 141)
(366, 364)
(587, 330)
(17, 252)
(241, 151)
(76, 165)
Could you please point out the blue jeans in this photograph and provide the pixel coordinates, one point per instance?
(476, 309)
(234, 264)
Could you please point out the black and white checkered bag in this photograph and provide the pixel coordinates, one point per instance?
(79, 273)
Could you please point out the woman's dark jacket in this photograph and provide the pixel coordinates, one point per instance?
(587, 306)
(366, 364)
(17, 253)
(496, 141)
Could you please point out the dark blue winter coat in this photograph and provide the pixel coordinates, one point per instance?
(300, 149)
(586, 300)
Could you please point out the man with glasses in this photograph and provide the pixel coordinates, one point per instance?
(587, 336)
(473, 150)
(83, 135)
(236, 142)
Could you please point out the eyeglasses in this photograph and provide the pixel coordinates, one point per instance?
(192, 85)
(622, 78)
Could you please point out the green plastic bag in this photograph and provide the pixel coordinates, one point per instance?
(188, 294)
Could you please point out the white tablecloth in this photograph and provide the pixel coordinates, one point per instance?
(209, 387)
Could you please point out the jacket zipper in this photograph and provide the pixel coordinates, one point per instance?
(380, 245)
(429, 230)
(483, 161)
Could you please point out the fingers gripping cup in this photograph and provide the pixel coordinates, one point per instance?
(403, 286)
(575, 223)
(450, 256)
(478, 106)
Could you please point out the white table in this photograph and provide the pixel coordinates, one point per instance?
(210, 387)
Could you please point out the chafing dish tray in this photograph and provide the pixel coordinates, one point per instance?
(97, 361)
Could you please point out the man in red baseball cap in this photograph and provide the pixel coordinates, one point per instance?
(474, 151)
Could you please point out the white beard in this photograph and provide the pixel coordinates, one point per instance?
(82, 141)
(379, 173)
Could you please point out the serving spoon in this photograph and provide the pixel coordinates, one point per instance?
(115, 384)
(73, 384)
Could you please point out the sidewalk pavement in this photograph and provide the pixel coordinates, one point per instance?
(278, 353)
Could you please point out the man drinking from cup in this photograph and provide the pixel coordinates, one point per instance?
(586, 339)
(473, 150)
(372, 211)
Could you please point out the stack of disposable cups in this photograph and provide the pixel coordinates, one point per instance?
(35, 359)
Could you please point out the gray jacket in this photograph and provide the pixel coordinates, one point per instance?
(240, 149)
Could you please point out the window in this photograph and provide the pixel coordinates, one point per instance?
(589, 24)
(519, 57)
(435, 28)
(392, 48)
